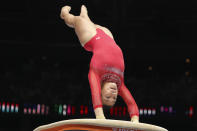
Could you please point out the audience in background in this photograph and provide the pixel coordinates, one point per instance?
(45, 79)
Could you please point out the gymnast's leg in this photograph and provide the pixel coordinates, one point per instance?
(84, 27)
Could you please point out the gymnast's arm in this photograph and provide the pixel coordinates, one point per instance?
(96, 94)
(85, 30)
(131, 104)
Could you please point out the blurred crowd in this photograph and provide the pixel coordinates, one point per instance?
(54, 79)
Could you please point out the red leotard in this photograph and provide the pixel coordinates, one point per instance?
(107, 64)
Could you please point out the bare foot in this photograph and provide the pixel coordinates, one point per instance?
(65, 10)
(67, 17)
(84, 12)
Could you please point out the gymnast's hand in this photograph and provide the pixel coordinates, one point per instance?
(135, 119)
(100, 117)
(99, 113)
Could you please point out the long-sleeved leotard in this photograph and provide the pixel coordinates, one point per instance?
(107, 64)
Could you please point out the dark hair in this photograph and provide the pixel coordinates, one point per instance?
(106, 110)
(110, 78)
(106, 107)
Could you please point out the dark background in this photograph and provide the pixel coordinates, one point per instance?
(41, 60)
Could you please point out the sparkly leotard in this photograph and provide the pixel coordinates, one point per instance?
(107, 64)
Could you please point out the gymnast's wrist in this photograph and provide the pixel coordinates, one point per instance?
(135, 119)
(98, 111)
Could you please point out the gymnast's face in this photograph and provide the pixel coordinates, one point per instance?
(109, 93)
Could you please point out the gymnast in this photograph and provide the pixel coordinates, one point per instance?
(106, 73)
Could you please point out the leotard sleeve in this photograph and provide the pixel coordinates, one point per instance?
(129, 100)
(95, 87)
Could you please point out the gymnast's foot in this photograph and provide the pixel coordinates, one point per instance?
(67, 17)
(65, 11)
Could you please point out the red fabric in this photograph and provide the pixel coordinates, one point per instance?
(107, 64)
(129, 100)
(105, 52)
